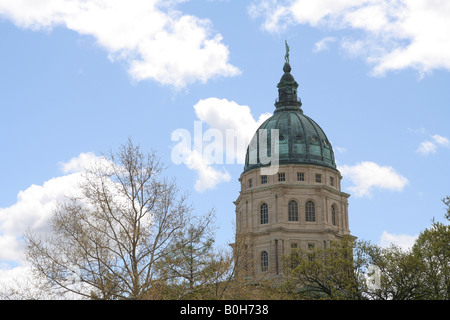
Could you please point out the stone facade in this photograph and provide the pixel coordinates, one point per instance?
(299, 207)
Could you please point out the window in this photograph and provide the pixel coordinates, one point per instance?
(318, 177)
(300, 176)
(332, 181)
(281, 177)
(333, 214)
(250, 183)
(310, 211)
(293, 210)
(263, 179)
(264, 261)
(264, 213)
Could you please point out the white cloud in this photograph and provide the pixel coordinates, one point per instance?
(420, 130)
(80, 163)
(440, 140)
(367, 176)
(404, 241)
(230, 126)
(427, 147)
(340, 149)
(224, 115)
(396, 34)
(322, 45)
(155, 40)
(13, 279)
(208, 176)
(33, 210)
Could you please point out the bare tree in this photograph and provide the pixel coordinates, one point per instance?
(108, 242)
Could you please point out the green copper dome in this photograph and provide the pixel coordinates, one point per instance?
(301, 140)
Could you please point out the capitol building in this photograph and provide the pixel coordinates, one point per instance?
(297, 203)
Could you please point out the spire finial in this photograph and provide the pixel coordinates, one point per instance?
(287, 88)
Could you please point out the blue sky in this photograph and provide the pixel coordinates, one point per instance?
(79, 78)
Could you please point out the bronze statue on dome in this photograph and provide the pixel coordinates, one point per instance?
(286, 57)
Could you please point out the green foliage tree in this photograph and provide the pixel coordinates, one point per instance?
(342, 270)
(192, 264)
(399, 273)
(330, 273)
(432, 249)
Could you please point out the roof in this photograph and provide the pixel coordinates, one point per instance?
(301, 139)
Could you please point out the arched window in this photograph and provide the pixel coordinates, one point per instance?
(293, 210)
(264, 213)
(264, 261)
(310, 211)
(333, 214)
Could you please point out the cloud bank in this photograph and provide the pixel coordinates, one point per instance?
(35, 206)
(396, 34)
(155, 40)
(32, 211)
